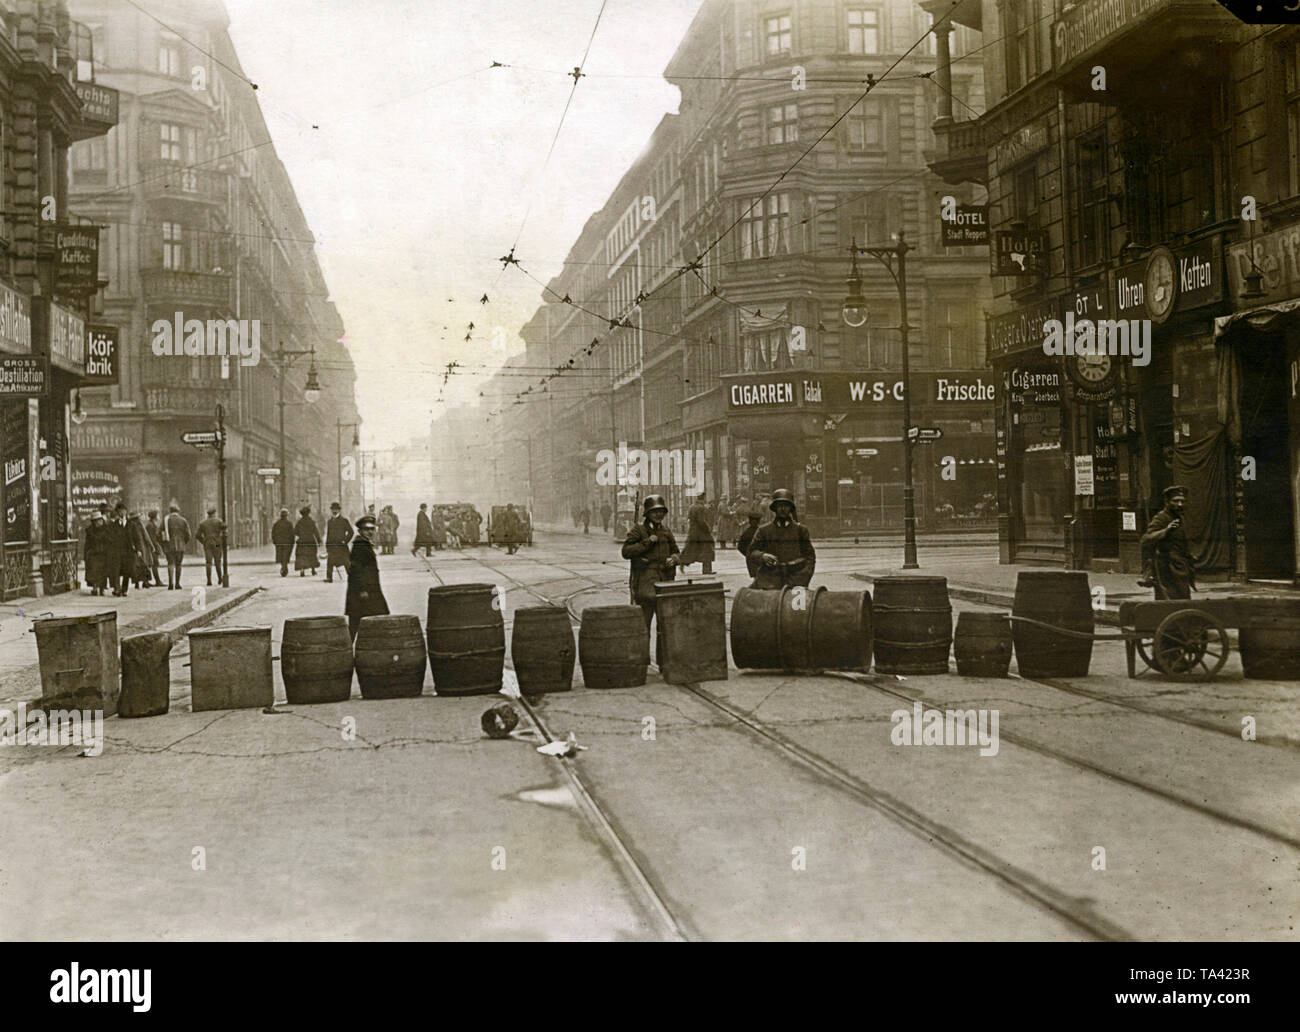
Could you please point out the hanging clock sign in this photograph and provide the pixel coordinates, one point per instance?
(1160, 284)
(1095, 377)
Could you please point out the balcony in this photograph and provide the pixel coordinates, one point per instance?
(171, 286)
(961, 155)
(166, 180)
(168, 400)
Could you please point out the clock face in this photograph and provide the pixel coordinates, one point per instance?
(1092, 369)
(1159, 284)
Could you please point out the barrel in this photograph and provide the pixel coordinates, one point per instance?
(801, 629)
(316, 659)
(1060, 598)
(390, 657)
(146, 674)
(230, 668)
(1269, 638)
(913, 625)
(542, 649)
(692, 620)
(613, 647)
(467, 639)
(982, 644)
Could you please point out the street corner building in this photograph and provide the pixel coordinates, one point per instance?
(745, 358)
(199, 230)
(1142, 166)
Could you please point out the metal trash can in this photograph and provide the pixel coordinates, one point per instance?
(79, 662)
(692, 622)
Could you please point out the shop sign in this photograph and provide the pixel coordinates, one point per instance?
(99, 104)
(15, 322)
(1089, 25)
(1129, 292)
(1276, 256)
(1018, 254)
(968, 226)
(22, 376)
(1083, 479)
(108, 437)
(101, 355)
(1199, 275)
(841, 391)
(1028, 139)
(1020, 330)
(76, 269)
(14, 440)
(1039, 385)
(93, 487)
(67, 335)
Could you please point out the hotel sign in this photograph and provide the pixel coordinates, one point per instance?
(1088, 25)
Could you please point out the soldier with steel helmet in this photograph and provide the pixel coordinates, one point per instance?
(652, 551)
(783, 549)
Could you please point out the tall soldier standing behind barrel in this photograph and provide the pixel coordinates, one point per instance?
(783, 548)
(365, 597)
(653, 552)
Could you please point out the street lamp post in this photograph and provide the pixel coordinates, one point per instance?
(855, 314)
(223, 577)
(338, 442)
(311, 392)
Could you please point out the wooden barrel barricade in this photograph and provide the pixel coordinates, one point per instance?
(1060, 599)
(801, 629)
(1269, 638)
(390, 657)
(316, 660)
(146, 675)
(913, 625)
(613, 647)
(467, 639)
(542, 649)
(981, 644)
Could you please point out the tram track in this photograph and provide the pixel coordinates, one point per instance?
(1076, 912)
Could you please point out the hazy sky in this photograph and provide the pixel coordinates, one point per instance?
(414, 185)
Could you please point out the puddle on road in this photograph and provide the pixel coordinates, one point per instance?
(561, 797)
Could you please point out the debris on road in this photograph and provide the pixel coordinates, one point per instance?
(499, 721)
(569, 747)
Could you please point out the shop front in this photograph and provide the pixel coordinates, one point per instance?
(835, 439)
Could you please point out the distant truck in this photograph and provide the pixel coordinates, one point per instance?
(495, 537)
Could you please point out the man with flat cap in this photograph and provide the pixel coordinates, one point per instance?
(365, 596)
(1166, 541)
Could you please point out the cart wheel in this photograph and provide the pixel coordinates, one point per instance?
(1190, 645)
(1146, 649)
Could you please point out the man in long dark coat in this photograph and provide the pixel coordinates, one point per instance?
(439, 528)
(282, 539)
(1174, 571)
(783, 548)
(365, 596)
(155, 542)
(423, 532)
(142, 551)
(210, 535)
(121, 556)
(699, 536)
(654, 556)
(307, 537)
(510, 531)
(96, 553)
(746, 541)
(338, 532)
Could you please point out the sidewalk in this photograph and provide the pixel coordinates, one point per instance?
(149, 609)
(947, 539)
(981, 578)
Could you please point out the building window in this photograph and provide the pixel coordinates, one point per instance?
(90, 155)
(956, 345)
(83, 52)
(1090, 198)
(171, 142)
(1024, 193)
(766, 350)
(173, 247)
(765, 226)
(1292, 61)
(779, 35)
(169, 58)
(1022, 19)
(864, 31)
(867, 126)
(872, 220)
(783, 123)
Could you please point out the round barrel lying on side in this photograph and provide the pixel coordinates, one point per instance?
(316, 659)
(1269, 639)
(801, 629)
(982, 644)
(146, 674)
(390, 657)
(467, 639)
(613, 647)
(542, 649)
(1060, 598)
(913, 625)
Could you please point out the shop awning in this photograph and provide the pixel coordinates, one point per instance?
(1261, 317)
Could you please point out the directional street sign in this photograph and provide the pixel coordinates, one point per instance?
(925, 433)
(269, 471)
(201, 437)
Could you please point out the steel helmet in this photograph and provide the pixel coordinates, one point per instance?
(653, 502)
(781, 495)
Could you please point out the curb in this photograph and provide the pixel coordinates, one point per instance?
(1108, 616)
